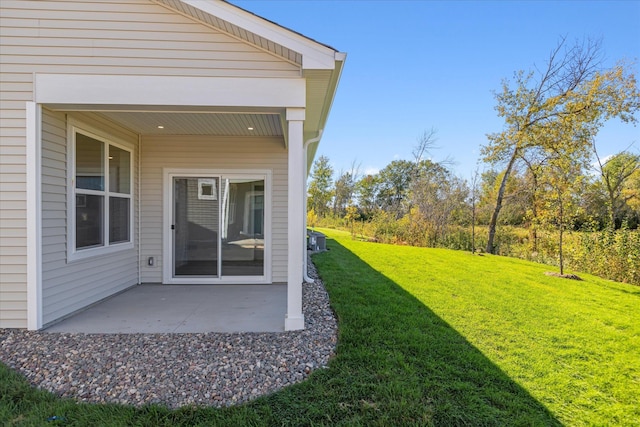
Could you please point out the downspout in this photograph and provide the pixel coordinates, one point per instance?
(305, 270)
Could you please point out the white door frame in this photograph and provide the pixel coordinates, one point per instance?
(167, 219)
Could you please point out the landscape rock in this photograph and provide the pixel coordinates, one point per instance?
(207, 369)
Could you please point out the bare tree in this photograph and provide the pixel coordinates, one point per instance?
(426, 143)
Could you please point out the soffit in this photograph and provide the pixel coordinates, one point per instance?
(198, 123)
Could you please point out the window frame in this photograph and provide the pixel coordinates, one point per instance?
(73, 253)
(168, 217)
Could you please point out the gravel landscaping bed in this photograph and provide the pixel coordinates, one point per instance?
(211, 369)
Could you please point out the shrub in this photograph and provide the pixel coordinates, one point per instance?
(609, 254)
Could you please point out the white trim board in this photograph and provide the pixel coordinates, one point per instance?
(170, 91)
(34, 214)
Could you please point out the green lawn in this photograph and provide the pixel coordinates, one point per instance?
(430, 337)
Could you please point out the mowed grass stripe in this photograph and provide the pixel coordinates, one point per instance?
(574, 345)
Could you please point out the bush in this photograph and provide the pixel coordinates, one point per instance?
(609, 254)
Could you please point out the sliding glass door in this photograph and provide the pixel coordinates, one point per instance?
(195, 227)
(242, 227)
(218, 228)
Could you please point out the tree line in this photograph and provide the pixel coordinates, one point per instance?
(542, 172)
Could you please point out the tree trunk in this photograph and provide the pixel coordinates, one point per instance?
(561, 255)
(612, 211)
(473, 227)
(496, 210)
(560, 239)
(534, 212)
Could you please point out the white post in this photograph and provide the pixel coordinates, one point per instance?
(294, 319)
(34, 248)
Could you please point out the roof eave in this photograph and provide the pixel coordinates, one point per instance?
(327, 105)
(315, 55)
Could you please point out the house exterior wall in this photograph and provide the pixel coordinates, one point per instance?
(205, 152)
(70, 286)
(135, 37)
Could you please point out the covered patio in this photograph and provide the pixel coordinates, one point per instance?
(183, 309)
(175, 152)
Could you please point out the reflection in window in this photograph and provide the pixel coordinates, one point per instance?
(119, 170)
(89, 163)
(242, 227)
(89, 215)
(118, 220)
(102, 195)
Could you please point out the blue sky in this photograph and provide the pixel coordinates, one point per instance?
(417, 65)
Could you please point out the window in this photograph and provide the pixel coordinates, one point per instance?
(101, 182)
(207, 189)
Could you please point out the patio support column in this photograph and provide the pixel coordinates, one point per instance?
(34, 216)
(294, 319)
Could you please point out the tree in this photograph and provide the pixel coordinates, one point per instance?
(394, 181)
(631, 193)
(515, 197)
(345, 188)
(426, 142)
(615, 174)
(561, 179)
(535, 161)
(569, 99)
(367, 194)
(393, 187)
(473, 201)
(342, 193)
(312, 218)
(321, 186)
(438, 196)
(351, 215)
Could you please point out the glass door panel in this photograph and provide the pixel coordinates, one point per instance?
(242, 227)
(195, 226)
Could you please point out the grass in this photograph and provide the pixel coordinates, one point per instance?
(429, 337)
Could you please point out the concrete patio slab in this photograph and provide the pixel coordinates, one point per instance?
(184, 309)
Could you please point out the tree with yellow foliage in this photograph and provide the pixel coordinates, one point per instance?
(568, 100)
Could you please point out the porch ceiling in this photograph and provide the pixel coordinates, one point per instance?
(199, 123)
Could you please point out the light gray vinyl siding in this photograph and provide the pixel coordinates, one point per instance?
(70, 286)
(202, 152)
(13, 204)
(134, 37)
(108, 37)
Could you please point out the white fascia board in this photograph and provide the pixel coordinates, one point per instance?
(170, 91)
(341, 56)
(314, 55)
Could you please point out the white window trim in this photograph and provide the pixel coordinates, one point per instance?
(167, 217)
(74, 254)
